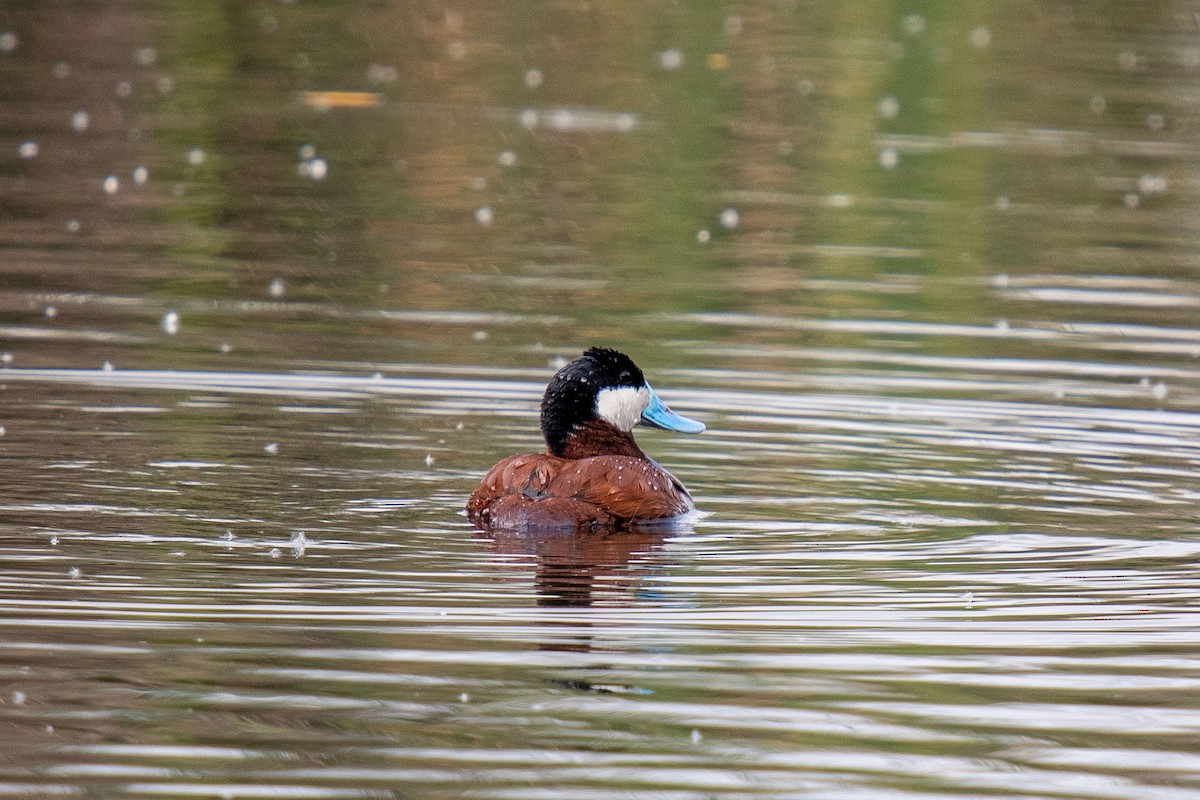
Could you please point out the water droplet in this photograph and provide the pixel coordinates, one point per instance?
(696, 736)
(703, 236)
(112, 184)
(318, 169)
(145, 56)
(457, 49)
(478, 183)
(298, 543)
(889, 158)
(72, 226)
(805, 87)
(913, 24)
(429, 460)
(274, 552)
(276, 288)
(484, 216)
(1152, 184)
(6, 358)
(165, 84)
(562, 119)
(981, 37)
(464, 698)
(124, 89)
(228, 535)
(80, 121)
(671, 59)
(507, 158)
(730, 218)
(225, 347)
(62, 70)
(1127, 60)
(528, 119)
(1001, 325)
(54, 541)
(1159, 392)
(889, 107)
(28, 150)
(196, 156)
(1003, 203)
(107, 366)
(18, 697)
(1131, 200)
(1156, 122)
(74, 572)
(271, 448)
(1000, 280)
(534, 78)
(170, 322)
(8, 42)
(51, 312)
(480, 335)
(733, 26)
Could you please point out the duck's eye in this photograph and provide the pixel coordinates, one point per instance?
(624, 377)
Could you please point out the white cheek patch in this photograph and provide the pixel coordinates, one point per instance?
(622, 406)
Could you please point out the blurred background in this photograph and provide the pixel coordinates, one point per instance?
(280, 279)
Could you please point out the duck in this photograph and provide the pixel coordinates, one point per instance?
(593, 476)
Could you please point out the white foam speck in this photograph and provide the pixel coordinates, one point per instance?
(170, 322)
(730, 218)
(80, 121)
(484, 215)
(671, 59)
(28, 150)
(913, 24)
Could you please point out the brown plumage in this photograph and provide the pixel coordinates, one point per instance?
(594, 475)
(604, 491)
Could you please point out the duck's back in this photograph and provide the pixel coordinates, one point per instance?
(539, 491)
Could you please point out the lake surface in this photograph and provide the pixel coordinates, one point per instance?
(279, 281)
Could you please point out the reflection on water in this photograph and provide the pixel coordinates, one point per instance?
(281, 280)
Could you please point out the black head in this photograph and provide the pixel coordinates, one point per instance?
(570, 399)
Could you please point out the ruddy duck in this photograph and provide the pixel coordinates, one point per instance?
(592, 475)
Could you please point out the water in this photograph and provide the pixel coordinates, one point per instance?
(280, 281)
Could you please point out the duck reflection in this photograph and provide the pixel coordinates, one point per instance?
(571, 570)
